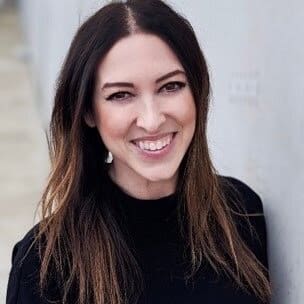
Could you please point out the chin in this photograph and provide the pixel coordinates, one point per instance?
(161, 175)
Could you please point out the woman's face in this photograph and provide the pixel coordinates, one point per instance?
(143, 109)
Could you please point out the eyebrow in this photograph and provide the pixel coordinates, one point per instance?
(131, 85)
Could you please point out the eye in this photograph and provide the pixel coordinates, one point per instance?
(119, 96)
(173, 86)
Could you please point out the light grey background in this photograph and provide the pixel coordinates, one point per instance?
(255, 53)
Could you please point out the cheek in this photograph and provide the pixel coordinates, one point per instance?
(111, 122)
(187, 111)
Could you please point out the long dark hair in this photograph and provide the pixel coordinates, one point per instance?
(76, 213)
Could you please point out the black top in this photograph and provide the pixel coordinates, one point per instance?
(152, 225)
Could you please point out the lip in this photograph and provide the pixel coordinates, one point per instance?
(153, 137)
(155, 155)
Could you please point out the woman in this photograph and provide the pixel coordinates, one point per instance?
(156, 224)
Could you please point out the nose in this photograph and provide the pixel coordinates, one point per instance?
(150, 117)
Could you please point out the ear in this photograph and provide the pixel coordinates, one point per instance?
(89, 119)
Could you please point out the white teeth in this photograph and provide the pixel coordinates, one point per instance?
(152, 146)
(146, 146)
(159, 144)
(156, 145)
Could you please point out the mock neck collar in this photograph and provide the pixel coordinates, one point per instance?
(142, 209)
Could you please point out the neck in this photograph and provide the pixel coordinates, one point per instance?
(140, 187)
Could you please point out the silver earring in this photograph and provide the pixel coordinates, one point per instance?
(109, 158)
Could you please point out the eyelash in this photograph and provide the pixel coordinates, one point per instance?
(179, 83)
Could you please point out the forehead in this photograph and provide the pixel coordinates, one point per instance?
(138, 56)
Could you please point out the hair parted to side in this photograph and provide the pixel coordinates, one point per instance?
(76, 208)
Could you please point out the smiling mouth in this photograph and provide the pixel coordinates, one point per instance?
(155, 145)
